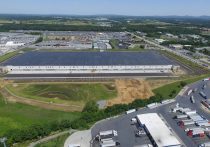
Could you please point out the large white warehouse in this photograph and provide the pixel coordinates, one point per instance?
(88, 63)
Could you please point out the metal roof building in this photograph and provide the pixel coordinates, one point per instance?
(153, 124)
(88, 59)
(88, 63)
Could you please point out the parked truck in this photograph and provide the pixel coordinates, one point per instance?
(185, 123)
(107, 133)
(196, 133)
(203, 94)
(204, 86)
(130, 111)
(181, 116)
(189, 92)
(192, 99)
(206, 79)
(109, 143)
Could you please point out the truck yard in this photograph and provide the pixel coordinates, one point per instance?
(188, 121)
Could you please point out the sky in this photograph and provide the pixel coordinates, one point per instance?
(97, 7)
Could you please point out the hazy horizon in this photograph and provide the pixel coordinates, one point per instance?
(108, 7)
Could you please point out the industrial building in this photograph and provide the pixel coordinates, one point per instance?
(153, 124)
(88, 63)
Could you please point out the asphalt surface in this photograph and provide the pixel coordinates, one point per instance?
(83, 76)
(126, 135)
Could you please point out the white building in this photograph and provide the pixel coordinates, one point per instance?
(160, 133)
(13, 44)
(87, 69)
(88, 63)
(176, 46)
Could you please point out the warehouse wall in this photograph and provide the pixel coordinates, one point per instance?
(88, 69)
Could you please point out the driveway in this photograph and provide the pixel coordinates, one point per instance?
(81, 137)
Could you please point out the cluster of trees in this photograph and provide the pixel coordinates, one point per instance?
(206, 52)
(40, 39)
(35, 131)
(182, 42)
(117, 27)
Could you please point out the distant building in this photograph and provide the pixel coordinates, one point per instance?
(176, 46)
(171, 36)
(13, 44)
(160, 40)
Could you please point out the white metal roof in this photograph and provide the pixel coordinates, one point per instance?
(158, 130)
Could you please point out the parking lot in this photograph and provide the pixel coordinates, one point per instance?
(126, 131)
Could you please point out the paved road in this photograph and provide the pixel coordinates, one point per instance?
(82, 76)
(33, 144)
(82, 138)
(168, 49)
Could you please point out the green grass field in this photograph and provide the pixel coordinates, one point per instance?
(182, 60)
(8, 56)
(14, 115)
(166, 90)
(57, 142)
(66, 93)
(12, 54)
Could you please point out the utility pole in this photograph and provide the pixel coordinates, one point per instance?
(3, 141)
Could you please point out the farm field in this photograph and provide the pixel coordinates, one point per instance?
(64, 93)
(15, 115)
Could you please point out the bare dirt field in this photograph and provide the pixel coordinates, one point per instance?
(130, 90)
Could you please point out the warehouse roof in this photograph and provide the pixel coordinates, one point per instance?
(154, 124)
(88, 59)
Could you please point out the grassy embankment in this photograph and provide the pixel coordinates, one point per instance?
(14, 115)
(8, 56)
(77, 94)
(12, 54)
(57, 142)
(183, 61)
(167, 90)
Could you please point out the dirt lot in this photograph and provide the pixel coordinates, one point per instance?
(129, 90)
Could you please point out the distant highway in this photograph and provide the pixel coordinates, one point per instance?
(170, 50)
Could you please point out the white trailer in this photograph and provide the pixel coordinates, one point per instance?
(167, 101)
(191, 112)
(110, 143)
(130, 111)
(207, 79)
(181, 116)
(152, 105)
(187, 122)
(191, 128)
(74, 145)
(192, 99)
(205, 124)
(189, 92)
(107, 133)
